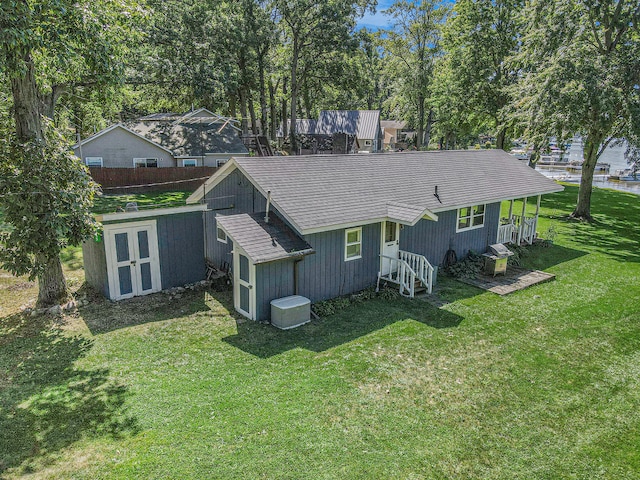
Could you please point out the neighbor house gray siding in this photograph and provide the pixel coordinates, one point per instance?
(181, 249)
(95, 265)
(326, 274)
(234, 195)
(273, 280)
(119, 147)
(433, 239)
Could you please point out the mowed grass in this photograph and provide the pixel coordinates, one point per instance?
(543, 383)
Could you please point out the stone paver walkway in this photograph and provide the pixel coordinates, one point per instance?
(516, 279)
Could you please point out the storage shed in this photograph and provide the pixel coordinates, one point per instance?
(142, 252)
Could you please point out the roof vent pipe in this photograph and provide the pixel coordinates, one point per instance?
(266, 215)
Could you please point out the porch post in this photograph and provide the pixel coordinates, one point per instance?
(524, 211)
(535, 222)
(510, 210)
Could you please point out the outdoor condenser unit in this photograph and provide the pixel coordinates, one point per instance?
(290, 312)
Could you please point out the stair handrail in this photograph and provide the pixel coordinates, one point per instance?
(405, 274)
(421, 265)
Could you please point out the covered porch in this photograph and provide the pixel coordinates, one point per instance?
(520, 227)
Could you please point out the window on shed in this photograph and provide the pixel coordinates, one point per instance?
(189, 162)
(353, 243)
(145, 162)
(367, 143)
(93, 161)
(470, 217)
(220, 235)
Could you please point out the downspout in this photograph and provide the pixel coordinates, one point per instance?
(295, 275)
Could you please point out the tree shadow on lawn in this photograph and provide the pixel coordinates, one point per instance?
(46, 403)
(355, 321)
(614, 230)
(103, 315)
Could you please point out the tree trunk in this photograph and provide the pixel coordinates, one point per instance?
(285, 110)
(307, 102)
(427, 131)
(420, 132)
(243, 111)
(263, 98)
(26, 103)
(252, 114)
(52, 287)
(583, 207)
(294, 97)
(272, 111)
(500, 138)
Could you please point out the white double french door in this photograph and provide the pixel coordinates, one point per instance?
(132, 259)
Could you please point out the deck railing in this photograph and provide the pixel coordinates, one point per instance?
(526, 227)
(420, 265)
(515, 230)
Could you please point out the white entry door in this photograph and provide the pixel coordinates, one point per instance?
(390, 246)
(244, 275)
(132, 259)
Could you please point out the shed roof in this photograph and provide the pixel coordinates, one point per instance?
(323, 192)
(361, 123)
(263, 242)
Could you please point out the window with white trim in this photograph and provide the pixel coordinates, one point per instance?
(470, 217)
(220, 235)
(353, 243)
(145, 162)
(189, 162)
(93, 161)
(220, 162)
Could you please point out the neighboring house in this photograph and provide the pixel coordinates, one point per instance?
(394, 132)
(198, 138)
(363, 124)
(331, 225)
(349, 131)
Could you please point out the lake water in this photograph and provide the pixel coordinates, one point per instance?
(614, 156)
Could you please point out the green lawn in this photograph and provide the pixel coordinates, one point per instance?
(109, 203)
(543, 383)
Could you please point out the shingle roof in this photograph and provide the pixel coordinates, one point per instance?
(189, 137)
(263, 242)
(320, 192)
(361, 123)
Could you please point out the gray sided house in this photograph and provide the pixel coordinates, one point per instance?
(199, 138)
(364, 124)
(144, 252)
(328, 225)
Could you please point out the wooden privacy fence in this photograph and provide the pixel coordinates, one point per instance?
(145, 180)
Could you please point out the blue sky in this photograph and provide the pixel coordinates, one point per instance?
(377, 20)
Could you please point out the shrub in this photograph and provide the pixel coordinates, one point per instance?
(469, 267)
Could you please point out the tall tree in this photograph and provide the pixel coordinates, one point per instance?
(580, 76)
(314, 29)
(412, 47)
(40, 179)
(480, 35)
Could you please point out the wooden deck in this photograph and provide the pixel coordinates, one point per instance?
(515, 279)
